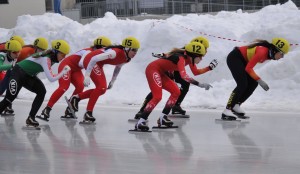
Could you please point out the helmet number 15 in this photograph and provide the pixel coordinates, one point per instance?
(128, 42)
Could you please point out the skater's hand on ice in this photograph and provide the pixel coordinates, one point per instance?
(263, 84)
(66, 69)
(87, 81)
(206, 86)
(213, 64)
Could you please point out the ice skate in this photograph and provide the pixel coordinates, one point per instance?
(227, 115)
(68, 114)
(164, 123)
(45, 114)
(178, 110)
(239, 112)
(8, 111)
(141, 127)
(70, 108)
(31, 124)
(136, 117)
(88, 118)
(74, 100)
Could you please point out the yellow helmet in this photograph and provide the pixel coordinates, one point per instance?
(102, 41)
(195, 48)
(202, 40)
(19, 39)
(13, 45)
(131, 42)
(281, 44)
(41, 43)
(61, 46)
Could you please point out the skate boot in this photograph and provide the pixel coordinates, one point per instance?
(239, 112)
(88, 118)
(142, 126)
(68, 114)
(45, 114)
(74, 100)
(178, 110)
(228, 115)
(164, 121)
(138, 115)
(8, 110)
(30, 121)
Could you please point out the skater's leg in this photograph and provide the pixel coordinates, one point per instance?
(101, 86)
(170, 86)
(252, 85)
(16, 83)
(184, 88)
(35, 85)
(156, 90)
(237, 65)
(146, 101)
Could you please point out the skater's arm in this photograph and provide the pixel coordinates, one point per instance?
(197, 71)
(46, 64)
(115, 75)
(5, 67)
(259, 56)
(108, 54)
(183, 74)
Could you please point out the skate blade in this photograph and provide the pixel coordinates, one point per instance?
(134, 120)
(27, 127)
(178, 116)
(42, 118)
(164, 127)
(68, 118)
(221, 120)
(138, 131)
(243, 117)
(87, 122)
(7, 115)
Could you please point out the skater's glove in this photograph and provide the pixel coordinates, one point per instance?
(206, 86)
(87, 80)
(263, 84)
(213, 64)
(66, 69)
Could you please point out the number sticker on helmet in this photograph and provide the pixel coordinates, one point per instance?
(58, 44)
(128, 42)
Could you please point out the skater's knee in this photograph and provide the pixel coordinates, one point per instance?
(101, 90)
(156, 99)
(175, 93)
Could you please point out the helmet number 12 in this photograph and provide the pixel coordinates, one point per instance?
(196, 49)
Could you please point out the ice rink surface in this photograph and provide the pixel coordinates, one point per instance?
(267, 143)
